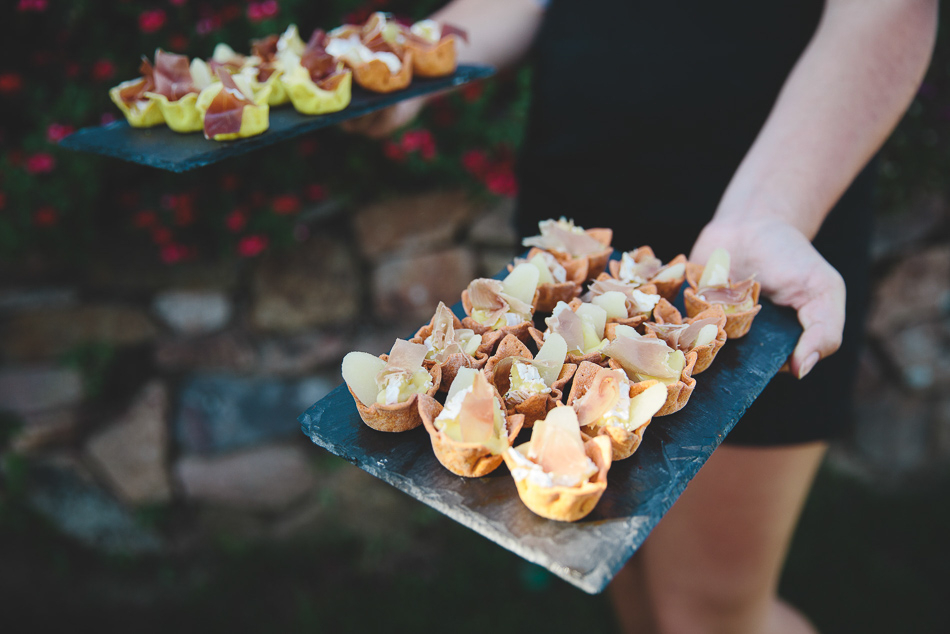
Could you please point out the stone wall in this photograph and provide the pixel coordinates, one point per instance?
(180, 387)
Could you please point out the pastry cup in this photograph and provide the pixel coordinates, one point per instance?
(591, 357)
(738, 323)
(547, 296)
(667, 289)
(677, 394)
(374, 75)
(308, 98)
(584, 268)
(491, 336)
(255, 119)
(631, 320)
(623, 443)
(666, 313)
(561, 503)
(401, 416)
(181, 115)
(142, 114)
(536, 406)
(450, 367)
(434, 60)
(466, 459)
(278, 95)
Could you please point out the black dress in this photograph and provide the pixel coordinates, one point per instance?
(642, 112)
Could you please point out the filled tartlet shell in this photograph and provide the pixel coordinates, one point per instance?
(677, 394)
(623, 443)
(374, 75)
(466, 459)
(181, 115)
(308, 98)
(566, 504)
(667, 289)
(576, 359)
(737, 324)
(630, 320)
(490, 336)
(547, 296)
(143, 114)
(401, 416)
(585, 268)
(454, 362)
(666, 313)
(537, 406)
(434, 60)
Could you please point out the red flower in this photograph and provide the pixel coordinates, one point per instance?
(177, 3)
(316, 192)
(177, 42)
(168, 201)
(393, 152)
(475, 161)
(151, 20)
(10, 83)
(103, 70)
(56, 132)
(356, 17)
(472, 91)
(229, 182)
(128, 198)
(501, 182)
(260, 11)
(145, 219)
(185, 210)
(236, 220)
(258, 198)
(40, 163)
(173, 253)
(106, 118)
(45, 217)
(249, 246)
(286, 204)
(161, 235)
(38, 6)
(443, 115)
(230, 12)
(307, 147)
(72, 70)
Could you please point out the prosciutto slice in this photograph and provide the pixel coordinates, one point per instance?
(444, 339)
(680, 336)
(732, 295)
(135, 91)
(641, 271)
(555, 238)
(488, 295)
(321, 65)
(226, 110)
(642, 356)
(601, 396)
(637, 301)
(173, 75)
(476, 418)
(569, 325)
(557, 446)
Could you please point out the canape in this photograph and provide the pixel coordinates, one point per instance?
(582, 253)
(470, 434)
(609, 404)
(131, 98)
(177, 88)
(433, 46)
(316, 82)
(497, 308)
(229, 111)
(450, 345)
(625, 302)
(581, 325)
(553, 285)
(641, 266)
(560, 474)
(703, 334)
(378, 64)
(530, 385)
(646, 358)
(711, 284)
(387, 388)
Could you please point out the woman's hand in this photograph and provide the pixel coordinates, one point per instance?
(791, 272)
(382, 123)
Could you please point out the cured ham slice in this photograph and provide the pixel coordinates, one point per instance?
(492, 302)
(226, 111)
(736, 294)
(643, 356)
(684, 336)
(556, 446)
(637, 301)
(569, 325)
(601, 396)
(561, 235)
(476, 418)
(443, 338)
(173, 75)
(405, 359)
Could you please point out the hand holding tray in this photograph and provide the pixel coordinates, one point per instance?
(640, 489)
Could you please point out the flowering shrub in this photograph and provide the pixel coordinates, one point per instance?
(67, 206)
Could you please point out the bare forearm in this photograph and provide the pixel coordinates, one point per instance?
(499, 31)
(837, 107)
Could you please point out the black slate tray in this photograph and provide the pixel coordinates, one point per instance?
(163, 148)
(640, 489)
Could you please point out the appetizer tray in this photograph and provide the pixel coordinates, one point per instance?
(163, 148)
(640, 489)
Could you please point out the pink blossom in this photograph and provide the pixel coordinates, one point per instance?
(103, 70)
(208, 25)
(316, 192)
(106, 118)
(10, 83)
(40, 163)
(475, 162)
(151, 20)
(501, 182)
(145, 219)
(252, 245)
(45, 217)
(178, 3)
(236, 220)
(286, 204)
(260, 11)
(393, 152)
(174, 252)
(56, 132)
(37, 6)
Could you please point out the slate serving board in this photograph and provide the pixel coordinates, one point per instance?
(161, 147)
(640, 489)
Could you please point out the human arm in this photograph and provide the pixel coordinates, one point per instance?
(500, 33)
(837, 107)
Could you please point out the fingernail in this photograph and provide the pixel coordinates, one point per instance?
(808, 365)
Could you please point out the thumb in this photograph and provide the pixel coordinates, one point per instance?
(822, 318)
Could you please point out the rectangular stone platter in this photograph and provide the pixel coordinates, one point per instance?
(640, 489)
(161, 147)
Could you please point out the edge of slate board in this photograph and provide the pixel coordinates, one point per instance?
(640, 490)
(165, 149)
